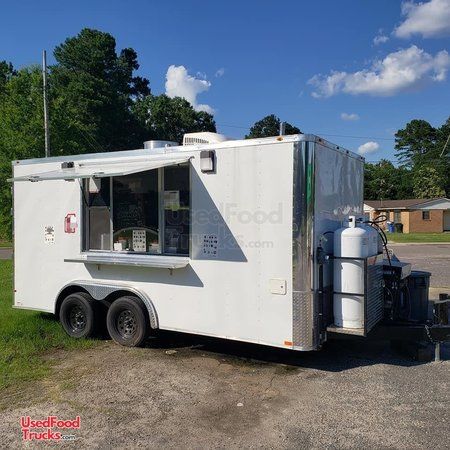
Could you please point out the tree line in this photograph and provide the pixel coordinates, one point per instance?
(423, 169)
(98, 103)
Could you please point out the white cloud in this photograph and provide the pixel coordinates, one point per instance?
(380, 39)
(430, 19)
(180, 84)
(368, 147)
(349, 117)
(219, 72)
(398, 71)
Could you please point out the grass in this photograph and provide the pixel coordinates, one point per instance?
(5, 243)
(418, 237)
(26, 337)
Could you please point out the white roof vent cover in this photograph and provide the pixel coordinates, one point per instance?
(204, 137)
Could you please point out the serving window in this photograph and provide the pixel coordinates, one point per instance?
(145, 212)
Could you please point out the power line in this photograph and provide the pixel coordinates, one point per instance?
(317, 132)
(233, 126)
(356, 137)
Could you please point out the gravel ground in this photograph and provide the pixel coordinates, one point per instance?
(187, 392)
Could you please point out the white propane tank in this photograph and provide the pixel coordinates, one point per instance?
(373, 237)
(348, 275)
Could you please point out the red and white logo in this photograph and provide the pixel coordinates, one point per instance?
(43, 430)
(70, 223)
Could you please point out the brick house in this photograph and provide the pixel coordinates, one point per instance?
(425, 215)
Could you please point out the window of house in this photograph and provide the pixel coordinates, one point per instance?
(145, 212)
(425, 215)
(397, 216)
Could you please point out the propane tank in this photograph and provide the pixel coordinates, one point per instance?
(351, 241)
(373, 237)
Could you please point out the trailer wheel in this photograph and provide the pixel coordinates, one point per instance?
(127, 321)
(77, 315)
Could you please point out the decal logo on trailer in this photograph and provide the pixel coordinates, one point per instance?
(70, 223)
(49, 234)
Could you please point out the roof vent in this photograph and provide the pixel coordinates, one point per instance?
(204, 137)
(150, 145)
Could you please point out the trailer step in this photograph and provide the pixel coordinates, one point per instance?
(340, 330)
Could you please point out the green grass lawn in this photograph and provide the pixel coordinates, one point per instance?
(26, 337)
(418, 237)
(5, 243)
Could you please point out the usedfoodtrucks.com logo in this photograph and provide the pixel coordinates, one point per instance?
(43, 430)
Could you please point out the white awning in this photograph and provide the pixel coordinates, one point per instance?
(108, 169)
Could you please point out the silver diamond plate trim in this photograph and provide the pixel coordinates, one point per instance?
(99, 292)
(302, 320)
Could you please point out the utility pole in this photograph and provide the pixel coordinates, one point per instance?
(282, 128)
(46, 129)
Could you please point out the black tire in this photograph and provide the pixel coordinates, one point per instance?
(78, 315)
(127, 321)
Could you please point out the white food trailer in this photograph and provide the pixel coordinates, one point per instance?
(214, 237)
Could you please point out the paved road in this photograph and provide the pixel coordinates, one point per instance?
(5, 253)
(434, 258)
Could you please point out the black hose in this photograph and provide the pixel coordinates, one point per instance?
(375, 224)
(379, 219)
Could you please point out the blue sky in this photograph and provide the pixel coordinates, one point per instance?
(246, 59)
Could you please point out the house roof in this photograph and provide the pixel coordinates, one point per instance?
(400, 204)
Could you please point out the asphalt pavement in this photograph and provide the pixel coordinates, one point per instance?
(434, 258)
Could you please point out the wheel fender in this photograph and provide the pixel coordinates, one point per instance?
(99, 291)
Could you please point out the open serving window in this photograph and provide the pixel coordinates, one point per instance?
(144, 212)
(135, 212)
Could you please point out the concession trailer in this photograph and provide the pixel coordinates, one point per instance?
(258, 240)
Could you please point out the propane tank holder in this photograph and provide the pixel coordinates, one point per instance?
(373, 305)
